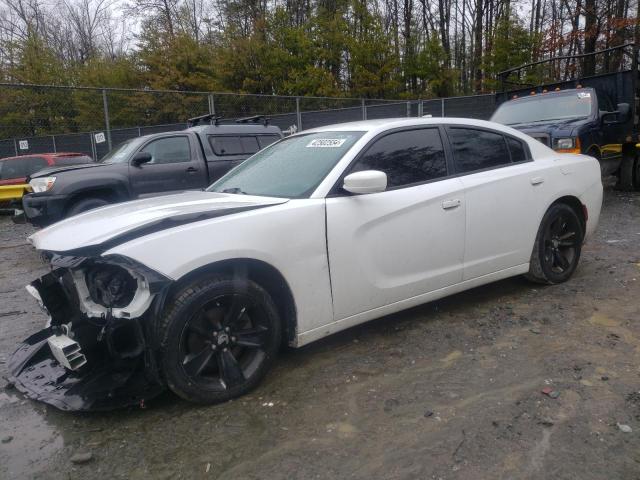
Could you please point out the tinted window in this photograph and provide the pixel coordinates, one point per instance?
(517, 149)
(266, 140)
(15, 168)
(169, 150)
(249, 145)
(226, 145)
(477, 149)
(34, 164)
(407, 157)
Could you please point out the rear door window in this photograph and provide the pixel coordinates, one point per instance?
(517, 149)
(477, 149)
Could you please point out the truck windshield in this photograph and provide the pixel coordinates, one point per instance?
(290, 168)
(122, 152)
(544, 108)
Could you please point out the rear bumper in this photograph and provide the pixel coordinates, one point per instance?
(43, 210)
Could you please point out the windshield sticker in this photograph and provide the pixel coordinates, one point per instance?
(326, 143)
(584, 95)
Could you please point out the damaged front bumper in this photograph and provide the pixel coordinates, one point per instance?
(98, 349)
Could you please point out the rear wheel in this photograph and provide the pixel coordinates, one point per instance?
(85, 205)
(556, 251)
(219, 339)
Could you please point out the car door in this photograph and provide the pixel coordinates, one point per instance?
(502, 191)
(174, 166)
(408, 240)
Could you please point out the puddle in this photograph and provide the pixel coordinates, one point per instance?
(35, 442)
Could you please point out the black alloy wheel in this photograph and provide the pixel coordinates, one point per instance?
(224, 343)
(558, 245)
(219, 338)
(561, 243)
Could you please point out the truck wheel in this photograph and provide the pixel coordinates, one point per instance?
(629, 178)
(557, 248)
(85, 205)
(219, 337)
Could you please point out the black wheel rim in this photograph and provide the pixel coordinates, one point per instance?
(224, 343)
(561, 243)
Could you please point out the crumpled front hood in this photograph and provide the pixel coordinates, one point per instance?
(108, 226)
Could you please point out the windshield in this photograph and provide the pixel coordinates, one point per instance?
(290, 168)
(122, 152)
(545, 108)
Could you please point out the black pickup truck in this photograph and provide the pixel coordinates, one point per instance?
(596, 115)
(156, 164)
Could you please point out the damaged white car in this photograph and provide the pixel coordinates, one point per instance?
(319, 232)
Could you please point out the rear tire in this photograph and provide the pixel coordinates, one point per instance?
(219, 338)
(558, 245)
(84, 205)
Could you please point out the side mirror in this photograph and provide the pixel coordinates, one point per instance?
(624, 110)
(367, 181)
(140, 158)
(621, 115)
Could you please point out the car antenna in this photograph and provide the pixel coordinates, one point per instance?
(254, 119)
(209, 118)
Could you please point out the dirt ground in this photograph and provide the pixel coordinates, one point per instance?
(448, 390)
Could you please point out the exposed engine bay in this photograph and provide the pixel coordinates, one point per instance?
(98, 348)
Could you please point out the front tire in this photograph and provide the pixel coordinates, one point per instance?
(84, 205)
(558, 245)
(220, 337)
(629, 175)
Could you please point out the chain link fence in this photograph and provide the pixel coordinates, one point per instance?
(41, 119)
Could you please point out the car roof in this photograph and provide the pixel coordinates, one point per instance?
(50, 155)
(384, 124)
(526, 98)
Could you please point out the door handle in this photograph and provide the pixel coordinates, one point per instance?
(537, 180)
(449, 204)
(191, 170)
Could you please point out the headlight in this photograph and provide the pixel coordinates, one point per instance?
(42, 184)
(564, 144)
(110, 285)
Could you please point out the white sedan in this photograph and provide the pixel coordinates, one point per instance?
(319, 232)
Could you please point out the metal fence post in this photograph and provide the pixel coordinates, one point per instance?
(53, 140)
(105, 105)
(408, 109)
(420, 109)
(298, 114)
(364, 109)
(442, 106)
(15, 146)
(94, 151)
(212, 105)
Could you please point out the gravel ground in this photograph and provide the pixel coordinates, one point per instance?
(448, 390)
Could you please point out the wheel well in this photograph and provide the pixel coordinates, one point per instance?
(102, 193)
(576, 205)
(265, 275)
(594, 151)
